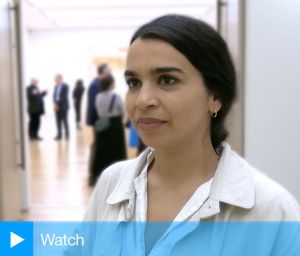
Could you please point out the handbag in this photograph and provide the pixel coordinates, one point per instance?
(103, 122)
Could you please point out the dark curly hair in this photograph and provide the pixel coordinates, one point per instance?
(207, 52)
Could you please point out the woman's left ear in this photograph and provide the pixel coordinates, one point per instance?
(214, 104)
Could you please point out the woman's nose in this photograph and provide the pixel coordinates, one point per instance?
(146, 98)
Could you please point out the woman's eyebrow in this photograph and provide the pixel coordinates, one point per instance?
(165, 70)
(129, 73)
(155, 71)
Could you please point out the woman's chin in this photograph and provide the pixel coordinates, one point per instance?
(156, 144)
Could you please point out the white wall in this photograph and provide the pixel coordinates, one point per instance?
(71, 52)
(272, 90)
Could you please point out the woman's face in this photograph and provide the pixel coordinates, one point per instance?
(167, 100)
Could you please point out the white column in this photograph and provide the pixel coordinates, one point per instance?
(10, 201)
(272, 89)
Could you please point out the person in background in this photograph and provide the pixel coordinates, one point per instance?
(103, 70)
(110, 142)
(77, 97)
(61, 106)
(94, 88)
(35, 100)
(181, 86)
(134, 139)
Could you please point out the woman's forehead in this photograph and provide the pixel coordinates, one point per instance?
(154, 53)
(144, 45)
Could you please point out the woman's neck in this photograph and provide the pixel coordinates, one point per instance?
(190, 161)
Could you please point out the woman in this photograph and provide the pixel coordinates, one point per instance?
(77, 97)
(182, 85)
(110, 142)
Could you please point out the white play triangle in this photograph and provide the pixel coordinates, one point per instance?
(15, 239)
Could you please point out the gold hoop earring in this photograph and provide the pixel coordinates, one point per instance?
(214, 114)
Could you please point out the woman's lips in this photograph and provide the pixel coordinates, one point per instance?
(149, 123)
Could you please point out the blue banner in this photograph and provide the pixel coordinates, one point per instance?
(149, 238)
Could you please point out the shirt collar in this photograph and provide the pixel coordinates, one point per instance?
(143, 173)
(124, 189)
(233, 182)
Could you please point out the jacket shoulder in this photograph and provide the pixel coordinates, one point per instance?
(273, 200)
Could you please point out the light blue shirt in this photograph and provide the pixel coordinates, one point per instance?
(57, 93)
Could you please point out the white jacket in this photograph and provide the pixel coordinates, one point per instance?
(236, 219)
(238, 193)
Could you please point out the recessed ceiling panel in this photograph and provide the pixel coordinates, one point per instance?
(47, 14)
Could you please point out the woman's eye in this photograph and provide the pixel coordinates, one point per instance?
(132, 83)
(167, 80)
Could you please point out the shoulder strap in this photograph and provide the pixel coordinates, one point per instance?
(112, 103)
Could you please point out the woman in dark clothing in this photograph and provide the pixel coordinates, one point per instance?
(77, 96)
(110, 141)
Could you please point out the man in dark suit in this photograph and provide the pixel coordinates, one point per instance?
(94, 88)
(35, 108)
(61, 106)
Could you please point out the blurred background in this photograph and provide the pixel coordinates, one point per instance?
(47, 179)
